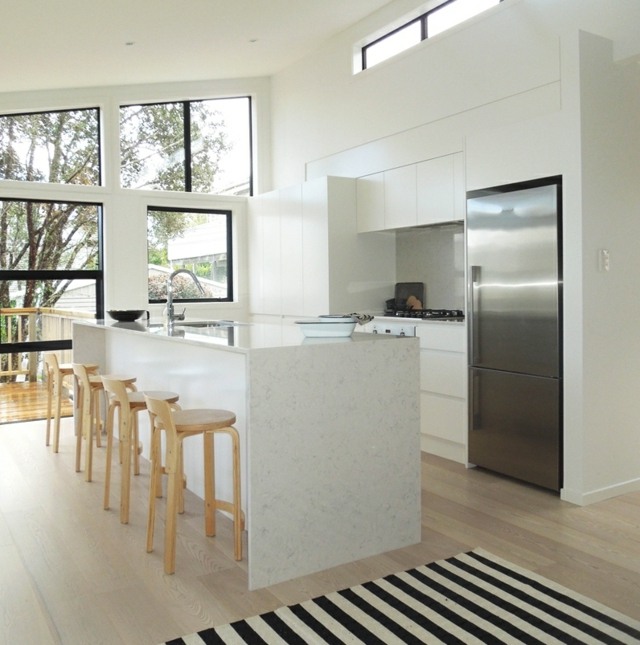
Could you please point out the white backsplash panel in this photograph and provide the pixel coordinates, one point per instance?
(433, 255)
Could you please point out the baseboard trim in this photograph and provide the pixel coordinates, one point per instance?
(601, 494)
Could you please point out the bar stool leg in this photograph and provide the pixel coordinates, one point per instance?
(111, 412)
(49, 403)
(80, 423)
(173, 450)
(153, 485)
(209, 485)
(57, 394)
(125, 441)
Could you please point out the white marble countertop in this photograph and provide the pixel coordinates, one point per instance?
(234, 336)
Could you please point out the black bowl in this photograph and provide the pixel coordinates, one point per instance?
(125, 315)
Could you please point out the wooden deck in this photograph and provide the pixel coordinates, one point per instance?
(27, 402)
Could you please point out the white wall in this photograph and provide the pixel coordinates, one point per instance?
(524, 93)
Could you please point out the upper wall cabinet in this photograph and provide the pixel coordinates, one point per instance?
(440, 190)
(400, 204)
(430, 192)
(370, 196)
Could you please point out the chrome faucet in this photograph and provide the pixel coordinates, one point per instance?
(170, 313)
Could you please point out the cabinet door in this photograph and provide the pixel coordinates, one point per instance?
(436, 191)
(271, 255)
(256, 252)
(370, 203)
(400, 208)
(315, 247)
(291, 250)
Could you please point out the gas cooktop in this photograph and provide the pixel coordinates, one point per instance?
(427, 314)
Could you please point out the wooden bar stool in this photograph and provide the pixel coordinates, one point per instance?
(178, 425)
(89, 415)
(55, 373)
(124, 398)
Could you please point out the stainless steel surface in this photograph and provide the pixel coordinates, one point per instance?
(516, 425)
(513, 308)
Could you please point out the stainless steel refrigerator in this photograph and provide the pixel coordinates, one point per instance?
(514, 315)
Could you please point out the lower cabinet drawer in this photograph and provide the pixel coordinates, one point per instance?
(443, 417)
(443, 372)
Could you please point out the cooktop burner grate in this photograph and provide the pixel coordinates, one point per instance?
(431, 314)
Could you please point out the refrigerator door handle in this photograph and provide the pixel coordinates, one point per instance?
(473, 298)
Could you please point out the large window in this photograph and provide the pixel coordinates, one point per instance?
(53, 147)
(50, 274)
(193, 146)
(195, 239)
(443, 17)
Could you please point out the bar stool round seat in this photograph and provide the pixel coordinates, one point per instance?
(89, 416)
(128, 402)
(177, 425)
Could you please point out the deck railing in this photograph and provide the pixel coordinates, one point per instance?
(30, 325)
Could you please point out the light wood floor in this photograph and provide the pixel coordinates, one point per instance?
(26, 402)
(71, 573)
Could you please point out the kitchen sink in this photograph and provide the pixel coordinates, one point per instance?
(207, 323)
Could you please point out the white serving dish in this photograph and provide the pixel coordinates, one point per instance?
(326, 328)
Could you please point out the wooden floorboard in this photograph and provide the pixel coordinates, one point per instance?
(71, 573)
(27, 402)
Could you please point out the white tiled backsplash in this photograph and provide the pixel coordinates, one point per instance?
(433, 255)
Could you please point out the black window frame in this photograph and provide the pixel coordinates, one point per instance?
(186, 117)
(230, 257)
(424, 35)
(59, 274)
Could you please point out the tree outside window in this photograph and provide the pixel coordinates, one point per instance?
(192, 146)
(194, 239)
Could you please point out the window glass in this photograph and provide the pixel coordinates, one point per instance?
(393, 44)
(50, 270)
(449, 14)
(196, 240)
(193, 146)
(43, 235)
(152, 146)
(454, 13)
(54, 147)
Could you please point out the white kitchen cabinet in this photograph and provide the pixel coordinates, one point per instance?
(309, 256)
(400, 203)
(291, 249)
(429, 192)
(443, 389)
(265, 271)
(370, 202)
(440, 190)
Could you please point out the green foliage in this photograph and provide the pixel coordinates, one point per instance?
(183, 288)
(152, 145)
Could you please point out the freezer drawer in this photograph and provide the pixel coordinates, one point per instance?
(515, 425)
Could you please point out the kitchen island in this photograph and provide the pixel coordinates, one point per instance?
(329, 431)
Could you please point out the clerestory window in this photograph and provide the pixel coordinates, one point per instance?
(429, 24)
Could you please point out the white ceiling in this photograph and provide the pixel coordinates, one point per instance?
(48, 44)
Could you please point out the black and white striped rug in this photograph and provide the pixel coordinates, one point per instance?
(471, 598)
